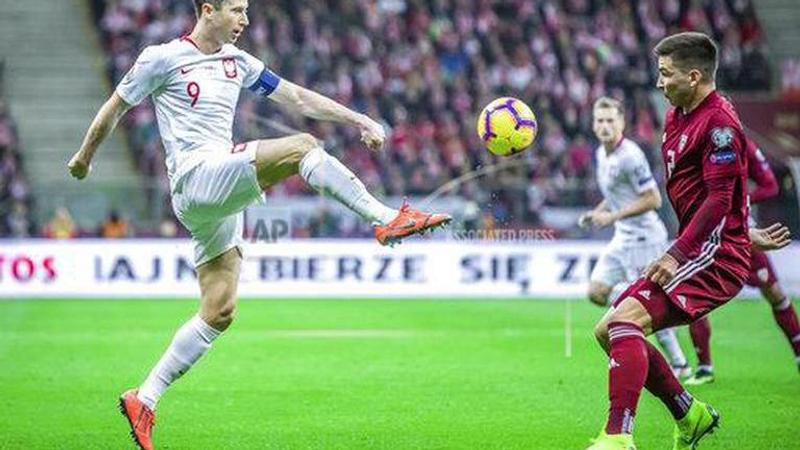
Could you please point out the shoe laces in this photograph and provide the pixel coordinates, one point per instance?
(405, 206)
(148, 419)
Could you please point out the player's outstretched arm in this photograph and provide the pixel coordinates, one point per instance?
(773, 237)
(102, 125)
(317, 106)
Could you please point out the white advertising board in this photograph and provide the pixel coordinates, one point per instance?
(315, 268)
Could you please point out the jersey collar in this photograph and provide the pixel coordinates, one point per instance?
(187, 38)
(706, 101)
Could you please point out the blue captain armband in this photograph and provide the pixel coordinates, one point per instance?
(266, 83)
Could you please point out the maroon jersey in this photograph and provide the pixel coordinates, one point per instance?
(758, 170)
(704, 152)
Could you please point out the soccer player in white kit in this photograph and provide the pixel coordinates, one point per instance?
(195, 84)
(630, 198)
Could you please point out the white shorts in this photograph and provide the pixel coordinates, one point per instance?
(211, 198)
(625, 262)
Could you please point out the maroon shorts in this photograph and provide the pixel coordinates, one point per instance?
(762, 274)
(694, 292)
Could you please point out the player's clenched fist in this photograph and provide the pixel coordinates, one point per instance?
(372, 133)
(78, 167)
(662, 270)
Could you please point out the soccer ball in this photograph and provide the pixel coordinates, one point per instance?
(507, 126)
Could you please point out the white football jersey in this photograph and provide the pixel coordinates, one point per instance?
(623, 175)
(195, 97)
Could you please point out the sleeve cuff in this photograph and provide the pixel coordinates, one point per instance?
(676, 253)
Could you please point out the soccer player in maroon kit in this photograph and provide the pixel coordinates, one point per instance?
(762, 276)
(704, 154)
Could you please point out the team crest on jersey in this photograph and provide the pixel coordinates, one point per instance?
(722, 137)
(682, 143)
(229, 64)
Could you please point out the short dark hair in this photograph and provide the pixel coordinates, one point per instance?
(198, 5)
(690, 50)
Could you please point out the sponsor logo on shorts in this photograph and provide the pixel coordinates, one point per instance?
(682, 300)
(645, 293)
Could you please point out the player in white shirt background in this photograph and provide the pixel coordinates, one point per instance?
(630, 200)
(195, 84)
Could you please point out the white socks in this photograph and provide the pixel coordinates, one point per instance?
(328, 176)
(191, 341)
(668, 340)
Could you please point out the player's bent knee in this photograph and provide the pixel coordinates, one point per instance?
(303, 145)
(221, 318)
(774, 294)
(601, 333)
(307, 142)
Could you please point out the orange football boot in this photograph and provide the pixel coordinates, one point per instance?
(409, 221)
(140, 417)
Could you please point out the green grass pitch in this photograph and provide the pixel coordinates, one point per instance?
(367, 374)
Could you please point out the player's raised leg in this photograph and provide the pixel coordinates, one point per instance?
(218, 285)
(277, 159)
(610, 271)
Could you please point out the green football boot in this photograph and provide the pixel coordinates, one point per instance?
(699, 421)
(701, 376)
(612, 442)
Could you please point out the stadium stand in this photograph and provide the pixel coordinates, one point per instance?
(15, 199)
(426, 67)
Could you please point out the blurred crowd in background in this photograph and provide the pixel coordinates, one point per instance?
(426, 67)
(15, 201)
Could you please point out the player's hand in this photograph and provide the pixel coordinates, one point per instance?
(602, 219)
(773, 237)
(662, 271)
(79, 167)
(585, 219)
(372, 133)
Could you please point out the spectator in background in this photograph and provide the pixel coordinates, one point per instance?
(61, 226)
(15, 220)
(18, 222)
(114, 227)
